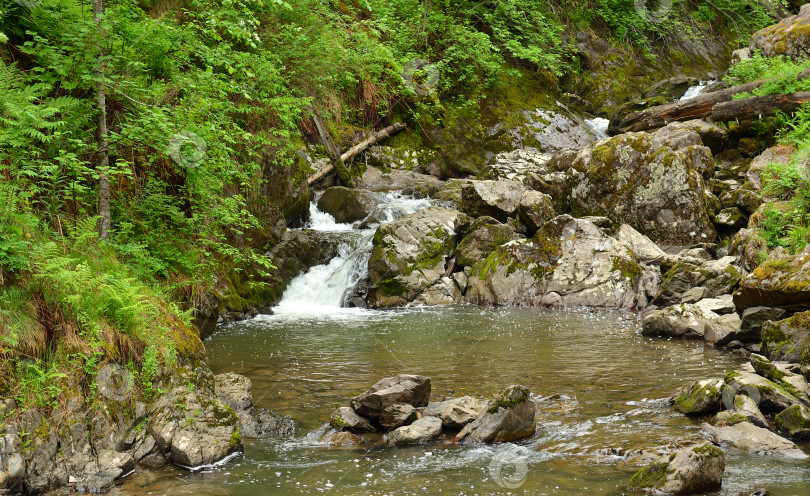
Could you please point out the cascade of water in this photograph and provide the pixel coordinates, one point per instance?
(696, 90)
(598, 126)
(322, 288)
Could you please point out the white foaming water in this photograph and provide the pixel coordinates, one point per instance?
(320, 291)
(599, 126)
(694, 91)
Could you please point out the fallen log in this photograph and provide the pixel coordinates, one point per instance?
(332, 151)
(695, 108)
(357, 149)
(757, 107)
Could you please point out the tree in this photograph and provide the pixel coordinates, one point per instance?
(102, 153)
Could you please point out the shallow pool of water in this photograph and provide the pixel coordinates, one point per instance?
(595, 379)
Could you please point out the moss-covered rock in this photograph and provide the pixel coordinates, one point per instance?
(777, 282)
(688, 471)
(651, 182)
(497, 199)
(509, 417)
(717, 276)
(568, 262)
(482, 241)
(790, 37)
(788, 339)
(409, 254)
(700, 397)
(347, 205)
(794, 422)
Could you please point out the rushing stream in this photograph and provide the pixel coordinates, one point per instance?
(599, 386)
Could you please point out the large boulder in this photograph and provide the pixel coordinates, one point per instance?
(788, 339)
(569, 262)
(778, 282)
(518, 164)
(508, 417)
(722, 330)
(409, 182)
(234, 390)
(397, 415)
(745, 436)
(651, 181)
(700, 397)
(423, 431)
(770, 397)
(482, 239)
(410, 254)
(194, 428)
(346, 419)
(794, 422)
(413, 390)
(688, 471)
(459, 412)
(753, 319)
(639, 244)
(347, 205)
(718, 276)
(534, 210)
(497, 199)
(789, 37)
(686, 321)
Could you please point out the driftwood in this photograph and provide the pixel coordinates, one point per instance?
(758, 106)
(356, 150)
(695, 108)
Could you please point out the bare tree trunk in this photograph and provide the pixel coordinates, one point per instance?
(757, 107)
(102, 156)
(356, 149)
(333, 151)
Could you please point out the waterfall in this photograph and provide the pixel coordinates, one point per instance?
(694, 91)
(599, 126)
(322, 289)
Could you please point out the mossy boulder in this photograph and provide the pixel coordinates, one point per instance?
(497, 199)
(717, 276)
(346, 419)
(347, 205)
(769, 396)
(789, 37)
(652, 182)
(729, 219)
(683, 321)
(534, 210)
(699, 398)
(794, 422)
(745, 200)
(410, 254)
(777, 282)
(693, 470)
(509, 417)
(568, 262)
(747, 245)
(788, 339)
(481, 241)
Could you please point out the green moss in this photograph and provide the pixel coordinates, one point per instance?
(652, 476)
(391, 287)
(236, 438)
(508, 398)
(708, 450)
(628, 268)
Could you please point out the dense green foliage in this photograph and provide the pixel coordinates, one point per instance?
(786, 222)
